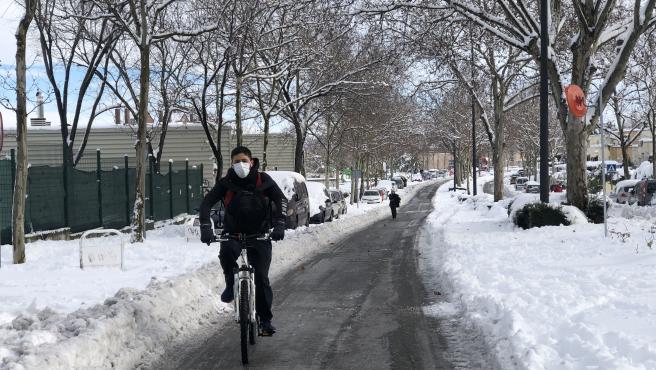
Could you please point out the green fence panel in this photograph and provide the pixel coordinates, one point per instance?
(161, 197)
(6, 201)
(83, 200)
(179, 193)
(45, 199)
(114, 199)
(195, 189)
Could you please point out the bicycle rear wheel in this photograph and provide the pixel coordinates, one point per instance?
(244, 320)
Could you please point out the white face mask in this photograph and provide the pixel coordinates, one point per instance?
(242, 169)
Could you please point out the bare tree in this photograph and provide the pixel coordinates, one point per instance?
(577, 36)
(144, 24)
(20, 184)
(627, 129)
(72, 42)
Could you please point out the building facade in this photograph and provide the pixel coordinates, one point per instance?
(183, 141)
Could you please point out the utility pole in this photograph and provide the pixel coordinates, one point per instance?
(544, 103)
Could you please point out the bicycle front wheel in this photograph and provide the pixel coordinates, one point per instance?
(244, 319)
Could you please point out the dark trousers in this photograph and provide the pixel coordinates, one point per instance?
(260, 258)
(393, 211)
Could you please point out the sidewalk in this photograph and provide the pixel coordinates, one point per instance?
(547, 298)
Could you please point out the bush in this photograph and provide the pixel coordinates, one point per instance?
(595, 210)
(538, 215)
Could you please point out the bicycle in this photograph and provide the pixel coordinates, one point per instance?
(244, 289)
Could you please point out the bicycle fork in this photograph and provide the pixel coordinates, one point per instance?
(245, 273)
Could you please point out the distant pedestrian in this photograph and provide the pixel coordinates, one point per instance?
(395, 202)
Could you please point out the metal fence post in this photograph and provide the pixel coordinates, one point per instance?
(150, 188)
(171, 188)
(66, 190)
(127, 191)
(187, 182)
(13, 184)
(201, 194)
(99, 180)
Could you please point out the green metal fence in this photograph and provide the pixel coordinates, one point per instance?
(97, 193)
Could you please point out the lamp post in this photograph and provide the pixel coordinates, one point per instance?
(544, 103)
(473, 113)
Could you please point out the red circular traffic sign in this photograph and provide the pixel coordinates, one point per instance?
(576, 101)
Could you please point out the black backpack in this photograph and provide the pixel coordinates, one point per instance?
(246, 211)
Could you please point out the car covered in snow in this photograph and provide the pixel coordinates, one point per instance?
(624, 192)
(339, 198)
(293, 186)
(532, 187)
(417, 177)
(520, 183)
(388, 185)
(322, 208)
(372, 196)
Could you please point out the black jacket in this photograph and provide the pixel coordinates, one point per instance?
(395, 200)
(231, 181)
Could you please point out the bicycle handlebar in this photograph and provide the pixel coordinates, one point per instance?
(242, 237)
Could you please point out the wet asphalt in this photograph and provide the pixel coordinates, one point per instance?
(358, 305)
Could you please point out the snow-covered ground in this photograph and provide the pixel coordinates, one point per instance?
(551, 297)
(54, 315)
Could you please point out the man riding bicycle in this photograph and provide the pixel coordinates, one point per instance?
(247, 195)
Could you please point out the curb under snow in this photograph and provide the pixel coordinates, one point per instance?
(136, 326)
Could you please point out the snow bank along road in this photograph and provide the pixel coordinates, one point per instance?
(357, 305)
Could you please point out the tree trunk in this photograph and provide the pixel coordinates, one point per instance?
(498, 158)
(238, 127)
(653, 150)
(20, 184)
(577, 176)
(139, 216)
(625, 159)
(326, 177)
(266, 142)
(299, 165)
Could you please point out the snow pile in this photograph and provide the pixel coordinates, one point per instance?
(631, 211)
(556, 297)
(54, 316)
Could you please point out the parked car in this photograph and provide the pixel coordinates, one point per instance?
(388, 185)
(532, 187)
(644, 192)
(294, 187)
(340, 198)
(624, 192)
(371, 196)
(321, 206)
(520, 183)
(400, 184)
(417, 177)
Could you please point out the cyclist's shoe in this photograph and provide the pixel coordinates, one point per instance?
(267, 329)
(228, 294)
